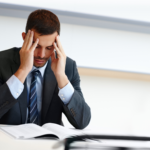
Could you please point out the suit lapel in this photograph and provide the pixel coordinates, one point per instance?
(22, 99)
(48, 89)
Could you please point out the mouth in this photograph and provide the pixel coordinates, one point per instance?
(39, 61)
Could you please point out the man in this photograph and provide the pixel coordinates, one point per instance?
(36, 85)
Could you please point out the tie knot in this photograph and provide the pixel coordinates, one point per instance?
(35, 73)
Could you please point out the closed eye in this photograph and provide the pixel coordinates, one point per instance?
(50, 48)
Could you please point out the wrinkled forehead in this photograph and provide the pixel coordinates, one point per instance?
(45, 40)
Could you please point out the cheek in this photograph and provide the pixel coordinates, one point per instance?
(48, 53)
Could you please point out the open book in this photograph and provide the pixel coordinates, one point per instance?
(30, 130)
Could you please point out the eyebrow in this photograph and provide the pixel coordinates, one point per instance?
(46, 46)
(40, 45)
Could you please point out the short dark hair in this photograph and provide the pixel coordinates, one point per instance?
(43, 21)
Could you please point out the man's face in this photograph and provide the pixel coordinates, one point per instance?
(44, 48)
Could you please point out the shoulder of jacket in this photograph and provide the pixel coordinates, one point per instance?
(69, 61)
(8, 54)
(70, 68)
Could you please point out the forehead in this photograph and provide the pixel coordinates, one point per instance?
(45, 40)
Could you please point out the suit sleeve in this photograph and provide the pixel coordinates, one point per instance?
(77, 111)
(6, 98)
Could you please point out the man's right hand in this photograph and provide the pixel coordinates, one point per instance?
(26, 56)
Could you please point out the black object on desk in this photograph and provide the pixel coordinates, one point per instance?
(103, 137)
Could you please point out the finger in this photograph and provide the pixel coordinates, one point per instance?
(59, 45)
(57, 50)
(30, 40)
(58, 42)
(34, 45)
(26, 39)
(53, 57)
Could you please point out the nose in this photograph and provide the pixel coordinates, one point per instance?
(41, 53)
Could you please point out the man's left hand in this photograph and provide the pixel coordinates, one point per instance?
(58, 64)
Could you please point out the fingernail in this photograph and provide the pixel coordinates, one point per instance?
(57, 36)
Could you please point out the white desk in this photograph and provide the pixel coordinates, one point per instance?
(7, 142)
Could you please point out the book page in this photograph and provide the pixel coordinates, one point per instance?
(62, 132)
(26, 131)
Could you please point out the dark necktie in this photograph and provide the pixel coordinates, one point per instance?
(32, 107)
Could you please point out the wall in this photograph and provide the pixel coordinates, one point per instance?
(99, 47)
(118, 105)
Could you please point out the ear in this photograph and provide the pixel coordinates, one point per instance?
(23, 35)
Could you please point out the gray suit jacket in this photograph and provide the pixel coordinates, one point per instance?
(13, 111)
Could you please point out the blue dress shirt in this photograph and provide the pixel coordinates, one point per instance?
(16, 87)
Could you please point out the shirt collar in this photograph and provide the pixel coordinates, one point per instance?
(41, 69)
